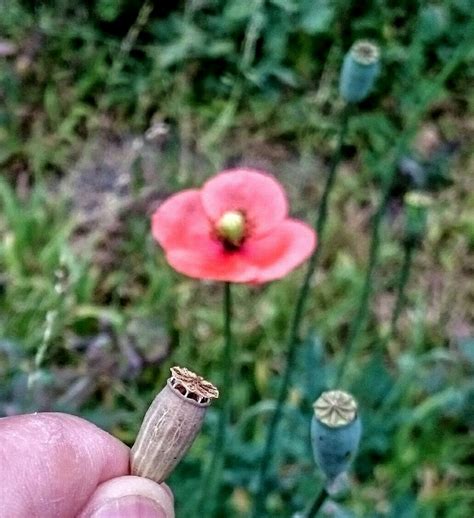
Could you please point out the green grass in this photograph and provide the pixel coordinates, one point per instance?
(255, 86)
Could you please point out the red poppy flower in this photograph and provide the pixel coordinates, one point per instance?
(233, 229)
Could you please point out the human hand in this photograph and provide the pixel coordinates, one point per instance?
(58, 465)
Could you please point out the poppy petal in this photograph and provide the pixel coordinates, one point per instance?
(212, 262)
(257, 195)
(180, 221)
(282, 250)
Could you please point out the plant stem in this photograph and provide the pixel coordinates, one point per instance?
(359, 320)
(226, 117)
(126, 46)
(408, 254)
(294, 332)
(403, 276)
(317, 503)
(212, 479)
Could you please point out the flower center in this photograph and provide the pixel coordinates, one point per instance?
(231, 228)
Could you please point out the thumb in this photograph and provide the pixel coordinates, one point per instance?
(130, 497)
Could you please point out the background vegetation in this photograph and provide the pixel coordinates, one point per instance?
(108, 106)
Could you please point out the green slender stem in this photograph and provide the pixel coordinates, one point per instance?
(126, 46)
(212, 480)
(317, 503)
(359, 321)
(320, 223)
(330, 179)
(227, 116)
(408, 253)
(403, 276)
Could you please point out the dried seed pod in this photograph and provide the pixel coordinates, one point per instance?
(360, 68)
(335, 432)
(171, 424)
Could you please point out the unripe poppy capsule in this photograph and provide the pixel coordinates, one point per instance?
(360, 68)
(335, 432)
(171, 424)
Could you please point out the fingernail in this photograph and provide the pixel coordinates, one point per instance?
(130, 507)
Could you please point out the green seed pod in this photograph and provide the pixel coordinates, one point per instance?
(360, 68)
(335, 432)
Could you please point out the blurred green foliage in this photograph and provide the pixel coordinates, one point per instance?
(255, 82)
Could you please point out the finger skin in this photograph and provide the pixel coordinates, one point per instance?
(109, 492)
(51, 464)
